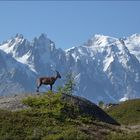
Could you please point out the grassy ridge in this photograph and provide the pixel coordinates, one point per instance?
(48, 118)
(127, 112)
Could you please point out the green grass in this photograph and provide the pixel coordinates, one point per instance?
(127, 113)
(50, 118)
(47, 118)
(124, 136)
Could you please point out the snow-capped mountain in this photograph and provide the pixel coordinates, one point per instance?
(133, 44)
(14, 76)
(105, 68)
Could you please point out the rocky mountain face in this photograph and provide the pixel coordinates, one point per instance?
(104, 68)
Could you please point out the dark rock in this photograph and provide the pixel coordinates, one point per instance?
(87, 107)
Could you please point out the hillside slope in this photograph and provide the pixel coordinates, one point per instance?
(127, 112)
(84, 106)
(88, 108)
(57, 117)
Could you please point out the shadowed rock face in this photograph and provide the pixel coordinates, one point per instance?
(87, 107)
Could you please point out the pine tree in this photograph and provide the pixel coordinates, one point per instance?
(69, 85)
(101, 104)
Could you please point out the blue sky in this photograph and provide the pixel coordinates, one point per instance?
(69, 23)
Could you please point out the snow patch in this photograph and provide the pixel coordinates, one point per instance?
(107, 62)
(125, 98)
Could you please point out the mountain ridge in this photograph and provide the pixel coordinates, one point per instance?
(105, 68)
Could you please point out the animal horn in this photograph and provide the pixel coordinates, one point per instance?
(56, 71)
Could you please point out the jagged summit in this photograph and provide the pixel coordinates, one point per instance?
(43, 36)
(19, 36)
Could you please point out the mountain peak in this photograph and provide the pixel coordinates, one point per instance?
(101, 40)
(135, 35)
(101, 36)
(43, 36)
(20, 36)
(135, 38)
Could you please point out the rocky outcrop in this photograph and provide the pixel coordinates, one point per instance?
(87, 107)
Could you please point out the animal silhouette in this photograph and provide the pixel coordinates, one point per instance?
(47, 81)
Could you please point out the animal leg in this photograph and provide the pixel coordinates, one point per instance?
(51, 87)
(38, 87)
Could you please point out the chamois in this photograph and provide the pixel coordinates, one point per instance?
(47, 81)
